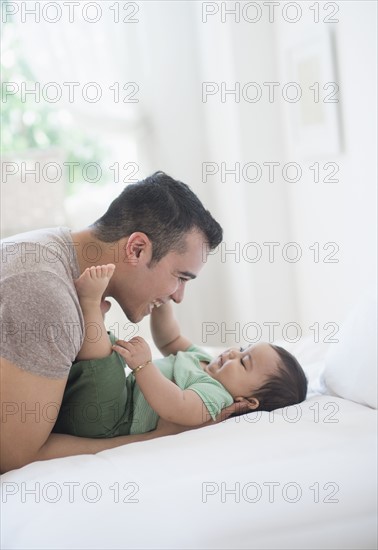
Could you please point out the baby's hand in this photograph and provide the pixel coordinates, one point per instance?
(135, 352)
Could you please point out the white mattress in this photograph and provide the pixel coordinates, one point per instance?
(212, 487)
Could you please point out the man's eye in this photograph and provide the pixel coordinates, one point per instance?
(182, 280)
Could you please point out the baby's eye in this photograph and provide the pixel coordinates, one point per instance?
(241, 360)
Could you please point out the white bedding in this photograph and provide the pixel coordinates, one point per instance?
(321, 455)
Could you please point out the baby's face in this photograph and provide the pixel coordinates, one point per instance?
(243, 371)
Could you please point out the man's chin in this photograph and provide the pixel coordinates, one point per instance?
(134, 317)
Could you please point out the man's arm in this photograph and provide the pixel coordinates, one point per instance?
(60, 445)
(165, 331)
(29, 407)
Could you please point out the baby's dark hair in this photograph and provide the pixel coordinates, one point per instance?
(287, 387)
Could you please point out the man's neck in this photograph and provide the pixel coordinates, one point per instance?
(90, 251)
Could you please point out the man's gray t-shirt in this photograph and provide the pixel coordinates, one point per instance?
(42, 326)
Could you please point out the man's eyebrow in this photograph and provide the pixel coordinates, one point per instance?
(187, 274)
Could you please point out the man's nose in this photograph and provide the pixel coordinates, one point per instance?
(178, 295)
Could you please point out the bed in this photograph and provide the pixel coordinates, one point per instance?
(300, 477)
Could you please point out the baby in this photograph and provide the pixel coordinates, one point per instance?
(187, 386)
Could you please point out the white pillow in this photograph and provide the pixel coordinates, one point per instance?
(351, 364)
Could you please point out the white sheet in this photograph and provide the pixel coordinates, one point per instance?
(326, 440)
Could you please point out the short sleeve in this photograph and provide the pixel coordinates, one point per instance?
(214, 397)
(41, 323)
(188, 374)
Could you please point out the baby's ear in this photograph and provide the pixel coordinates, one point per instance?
(241, 405)
(246, 403)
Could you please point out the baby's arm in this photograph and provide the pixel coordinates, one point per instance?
(90, 287)
(166, 331)
(170, 402)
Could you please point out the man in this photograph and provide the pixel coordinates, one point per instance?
(157, 233)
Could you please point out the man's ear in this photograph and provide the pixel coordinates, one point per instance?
(137, 247)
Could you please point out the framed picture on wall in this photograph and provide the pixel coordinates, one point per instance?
(313, 97)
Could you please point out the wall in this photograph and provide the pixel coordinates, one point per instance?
(343, 212)
(187, 131)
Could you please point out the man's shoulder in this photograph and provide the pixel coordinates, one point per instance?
(42, 326)
(50, 250)
(43, 236)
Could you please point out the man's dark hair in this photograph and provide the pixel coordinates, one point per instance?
(287, 387)
(164, 209)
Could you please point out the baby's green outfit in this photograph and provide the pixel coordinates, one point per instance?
(100, 401)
